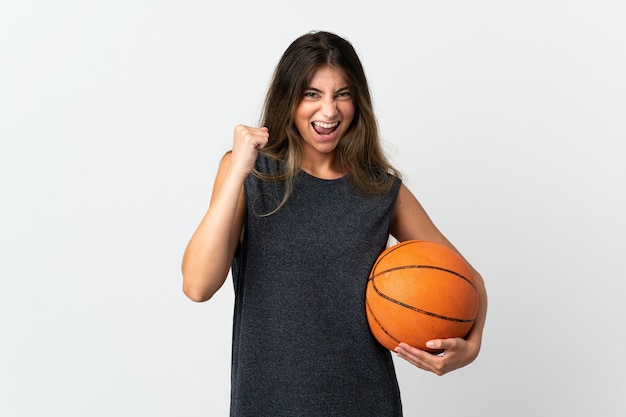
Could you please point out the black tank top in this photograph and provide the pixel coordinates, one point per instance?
(301, 343)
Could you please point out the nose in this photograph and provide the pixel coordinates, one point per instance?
(329, 107)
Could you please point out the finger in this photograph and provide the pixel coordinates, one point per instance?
(443, 344)
(418, 357)
(437, 344)
(413, 352)
(264, 139)
(259, 137)
(243, 130)
(411, 359)
(254, 137)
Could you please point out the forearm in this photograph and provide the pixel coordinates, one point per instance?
(475, 335)
(209, 254)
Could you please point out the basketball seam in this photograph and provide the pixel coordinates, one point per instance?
(418, 310)
(379, 323)
(438, 268)
(392, 249)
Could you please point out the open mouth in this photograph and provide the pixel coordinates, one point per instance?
(325, 129)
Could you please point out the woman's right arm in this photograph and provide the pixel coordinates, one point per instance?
(209, 254)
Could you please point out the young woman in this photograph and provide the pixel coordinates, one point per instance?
(300, 210)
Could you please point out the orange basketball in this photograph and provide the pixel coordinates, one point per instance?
(418, 291)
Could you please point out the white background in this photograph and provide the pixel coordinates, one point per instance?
(506, 118)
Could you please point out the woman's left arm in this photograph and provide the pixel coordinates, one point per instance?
(411, 222)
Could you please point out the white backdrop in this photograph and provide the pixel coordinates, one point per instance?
(506, 118)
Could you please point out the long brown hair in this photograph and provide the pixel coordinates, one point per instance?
(359, 152)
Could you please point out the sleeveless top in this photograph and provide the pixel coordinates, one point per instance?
(301, 342)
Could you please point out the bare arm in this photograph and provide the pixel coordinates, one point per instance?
(210, 251)
(410, 221)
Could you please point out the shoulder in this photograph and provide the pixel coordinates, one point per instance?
(410, 220)
(406, 202)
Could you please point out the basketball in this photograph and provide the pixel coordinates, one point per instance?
(418, 291)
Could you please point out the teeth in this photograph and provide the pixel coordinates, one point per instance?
(326, 125)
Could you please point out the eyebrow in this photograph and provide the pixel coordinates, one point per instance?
(341, 90)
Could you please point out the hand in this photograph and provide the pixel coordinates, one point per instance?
(246, 144)
(456, 354)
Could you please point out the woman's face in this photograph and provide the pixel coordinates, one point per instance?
(325, 112)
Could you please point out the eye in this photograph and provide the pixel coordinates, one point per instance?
(344, 95)
(311, 94)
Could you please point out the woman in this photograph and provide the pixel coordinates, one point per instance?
(305, 204)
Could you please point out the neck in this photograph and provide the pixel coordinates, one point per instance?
(324, 168)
